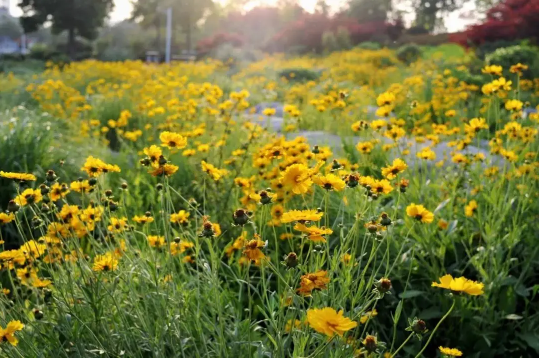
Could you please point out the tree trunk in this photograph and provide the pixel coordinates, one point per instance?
(71, 43)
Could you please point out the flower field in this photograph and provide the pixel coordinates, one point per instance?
(340, 206)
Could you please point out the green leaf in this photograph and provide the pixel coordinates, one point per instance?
(513, 316)
(442, 205)
(411, 294)
(532, 339)
(398, 312)
(431, 313)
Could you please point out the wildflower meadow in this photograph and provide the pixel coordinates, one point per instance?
(345, 205)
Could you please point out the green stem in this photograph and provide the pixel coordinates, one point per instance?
(436, 328)
(402, 345)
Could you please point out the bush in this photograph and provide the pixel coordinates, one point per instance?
(487, 48)
(509, 20)
(213, 43)
(299, 74)
(508, 56)
(409, 53)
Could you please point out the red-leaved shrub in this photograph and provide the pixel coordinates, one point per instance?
(208, 44)
(508, 20)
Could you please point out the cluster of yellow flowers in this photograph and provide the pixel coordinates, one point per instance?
(180, 126)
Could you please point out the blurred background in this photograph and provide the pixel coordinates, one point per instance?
(114, 30)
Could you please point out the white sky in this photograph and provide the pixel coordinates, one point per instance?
(122, 10)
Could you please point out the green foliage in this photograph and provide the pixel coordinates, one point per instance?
(409, 53)
(78, 18)
(369, 45)
(298, 74)
(508, 56)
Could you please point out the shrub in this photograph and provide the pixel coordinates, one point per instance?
(509, 20)
(299, 74)
(409, 53)
(212, 43)
(508, 56)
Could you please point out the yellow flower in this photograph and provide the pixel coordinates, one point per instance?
(252, 249)
(493, 70)
(451, 352)
(95, 167)
(301, 216)
(475, 125)
(313, 233)
(106, 262)
(292, 324)
(156, 241)
(180, 217)
(518, 68)
(385, 99)
(329, 322)
(172, 140)
(419, 213)
(297, 177)
(58, 191)
(513, 105)
(460, 284)
(153, 152)
(381, 187)
(143, 219)
(459, 158)
(7, 334)
(471, 208)
(394, 169)
(164, 170)
(81, 186)
(451, 113)
(368, 315)
(329, 182)
(426, 153)
(29, 196)
(6, 218)
(212, 171)
(269, 112)
(365, 147)
(18, 176)
(117, 225)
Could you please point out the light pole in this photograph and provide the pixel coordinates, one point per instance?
(169, 35)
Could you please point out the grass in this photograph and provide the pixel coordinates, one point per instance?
(200, 261)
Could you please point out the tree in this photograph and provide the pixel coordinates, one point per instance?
(78, 17)
(10, 27)
(429, 13)
(185, 13)
(369, 10)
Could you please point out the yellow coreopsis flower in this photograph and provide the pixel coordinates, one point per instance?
(419, 213)
(29, 196)
(301, 216)
(513, 105)
(329, 322)
(18, 176)
(471, 208)
(450, 352)
(493, 70)
(106, 262)
(7, 334)
(297, 178)
(398, 166)
(459, 285)
(172, 140)
(329, 182)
